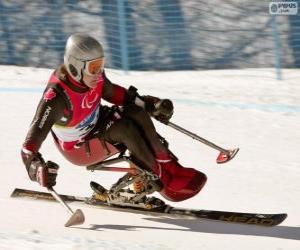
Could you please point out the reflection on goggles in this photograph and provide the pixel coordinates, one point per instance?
(94, 67)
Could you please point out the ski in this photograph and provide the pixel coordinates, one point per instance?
(267, 220)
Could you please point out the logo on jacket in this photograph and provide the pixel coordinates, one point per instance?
(45, 116)
(89, 99)
(49, 95)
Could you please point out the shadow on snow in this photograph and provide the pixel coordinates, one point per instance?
(206, 226)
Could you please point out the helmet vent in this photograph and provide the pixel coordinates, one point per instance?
(73, 70)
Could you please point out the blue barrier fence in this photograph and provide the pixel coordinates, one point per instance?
(152, 34)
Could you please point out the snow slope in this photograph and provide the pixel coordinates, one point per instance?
(244, 108)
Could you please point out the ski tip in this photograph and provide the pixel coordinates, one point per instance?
(76, 219)
(277, 219)
(284, 216)
(281, 218)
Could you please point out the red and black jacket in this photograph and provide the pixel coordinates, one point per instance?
(70, 109)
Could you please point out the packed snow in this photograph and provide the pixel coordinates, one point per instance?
(247, 108)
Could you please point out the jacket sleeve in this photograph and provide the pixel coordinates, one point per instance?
(120, 96)
(113, 93)
(49, 111)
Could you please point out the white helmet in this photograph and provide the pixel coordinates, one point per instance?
(80, 48)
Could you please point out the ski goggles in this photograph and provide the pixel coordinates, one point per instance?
(94, 67)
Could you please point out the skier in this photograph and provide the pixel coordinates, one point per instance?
(83, 129)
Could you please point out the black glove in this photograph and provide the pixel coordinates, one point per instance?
(43, 173)
(163, 110)
(160, 109)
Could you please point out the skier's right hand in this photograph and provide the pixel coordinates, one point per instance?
(43, 173)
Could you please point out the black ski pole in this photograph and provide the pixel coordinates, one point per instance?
(225, 154)
(77, 217)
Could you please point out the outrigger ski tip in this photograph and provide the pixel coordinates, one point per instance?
(258, 219)
(224, 157)
(76, 219)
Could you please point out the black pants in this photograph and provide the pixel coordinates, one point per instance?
(136, 131)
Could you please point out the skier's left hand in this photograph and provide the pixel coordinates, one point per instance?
(163, 110)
